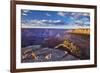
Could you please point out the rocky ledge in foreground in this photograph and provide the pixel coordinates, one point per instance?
(36, 53)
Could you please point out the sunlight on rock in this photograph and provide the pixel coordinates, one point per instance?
(48, 56)
(66, 52)
(69, 46)
(33, 55)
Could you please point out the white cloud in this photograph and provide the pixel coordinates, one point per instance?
(87, 23)
(57, 21)
(24, 14)
(73, 13)
(47, 14)
(41, 22)
(85, 19)
(53, 21)
(61, 13)
(26, 11)
(78, 14)
(79, 22)
(46, 24)
(50, 21)
(86, 14)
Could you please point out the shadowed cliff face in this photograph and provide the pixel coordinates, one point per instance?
(31, 36)
(47, 39)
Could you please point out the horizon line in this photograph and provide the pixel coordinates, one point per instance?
(57, 27)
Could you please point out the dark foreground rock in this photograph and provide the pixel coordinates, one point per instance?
(37, 54)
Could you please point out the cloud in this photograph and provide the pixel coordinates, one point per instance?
(76, 15)
(72, 19)
(87, 23)
(61, 13)
(47, 14)
(57, 21)
(73, 13)
(25, 12)
(81, 18)
(42, 22)
(79, 22)
(86, 14)
(85, 19)
(54, 24)
(47, 21)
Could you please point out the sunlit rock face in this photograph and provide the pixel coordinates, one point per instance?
(84, 31)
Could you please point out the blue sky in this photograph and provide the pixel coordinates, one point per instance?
(54, 18)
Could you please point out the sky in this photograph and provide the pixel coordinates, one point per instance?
(36, 18)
